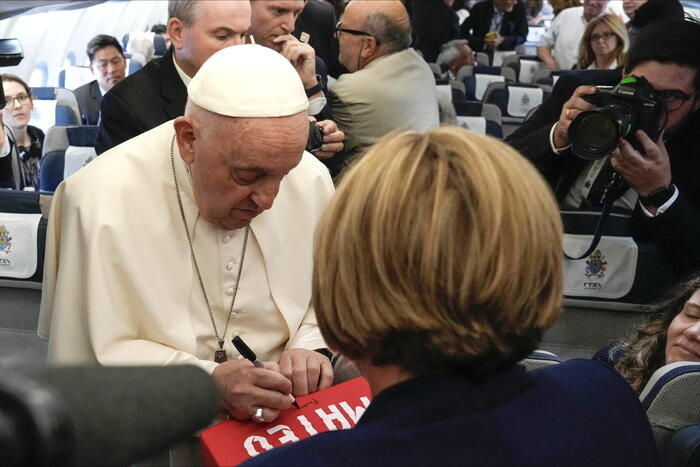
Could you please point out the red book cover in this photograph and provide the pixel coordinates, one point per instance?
(336, 408)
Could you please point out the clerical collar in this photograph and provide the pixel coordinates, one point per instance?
(183, 76)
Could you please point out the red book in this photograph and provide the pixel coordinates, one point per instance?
(336, 408)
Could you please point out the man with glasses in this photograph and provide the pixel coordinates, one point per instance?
(664, 191)
(108, 65)
(389, 85)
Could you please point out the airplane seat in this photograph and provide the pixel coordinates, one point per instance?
(539, 359)
(671, 400)
(66, 150)
(684, 447)
(54, 106)
(23, 221)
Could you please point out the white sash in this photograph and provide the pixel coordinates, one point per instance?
(76, 158)
(609, 272)
(18, 249)
(483, 81)
(475, 124)
(521, 100)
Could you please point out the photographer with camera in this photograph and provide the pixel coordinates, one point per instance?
(660, 171)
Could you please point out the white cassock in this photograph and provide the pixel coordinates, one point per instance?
(119, 283)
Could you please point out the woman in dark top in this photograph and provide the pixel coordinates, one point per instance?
(437, 267)
(672, 334)
(19, 168)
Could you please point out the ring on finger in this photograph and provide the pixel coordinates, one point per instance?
(568, 111)
(259, 414)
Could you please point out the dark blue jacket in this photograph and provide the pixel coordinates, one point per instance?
(577, 413)
(514, 28)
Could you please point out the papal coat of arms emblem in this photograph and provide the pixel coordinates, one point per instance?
(5, 240)
(595, 265)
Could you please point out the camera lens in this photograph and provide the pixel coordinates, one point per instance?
(594, 134)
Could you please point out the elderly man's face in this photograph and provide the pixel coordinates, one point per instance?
(465, 57)
(505, 6)
(238, 166)
(217, 25)
(351, 44)
(273, 18)
(593, 8)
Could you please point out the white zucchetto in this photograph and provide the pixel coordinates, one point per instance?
(248, 81)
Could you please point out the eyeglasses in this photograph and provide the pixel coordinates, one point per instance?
(20, 99)
(674, 99)
(354, 32)
(606, 35)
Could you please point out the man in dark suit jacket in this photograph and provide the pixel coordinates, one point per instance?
(108, 64)
(316, 26)
(507, 18)
(158, 92)
(434, 24)
(665, 175)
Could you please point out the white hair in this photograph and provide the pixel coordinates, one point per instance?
(140, 43)
(450, 51)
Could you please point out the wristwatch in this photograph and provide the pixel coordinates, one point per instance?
(658, 197)
(314, 89)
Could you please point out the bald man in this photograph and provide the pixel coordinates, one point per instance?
(389, 85)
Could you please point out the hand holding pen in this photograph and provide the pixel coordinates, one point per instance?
(248, 354)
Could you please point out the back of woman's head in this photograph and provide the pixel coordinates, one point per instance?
(439, 251)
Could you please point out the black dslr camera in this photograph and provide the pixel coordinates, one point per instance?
(315, 139)
(630, 106)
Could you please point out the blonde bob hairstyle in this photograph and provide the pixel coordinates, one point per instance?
(586, 56)
(440, 251)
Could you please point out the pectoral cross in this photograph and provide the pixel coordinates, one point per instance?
(220, 355)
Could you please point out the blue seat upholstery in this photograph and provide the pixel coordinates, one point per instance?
(684, 447)
(55, 144)
(478, 109)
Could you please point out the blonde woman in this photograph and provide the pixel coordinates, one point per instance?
(603, 44)
(438, 266)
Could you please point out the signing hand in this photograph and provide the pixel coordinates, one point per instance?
(574, 106)
(309, 371)
(245, 388)
(332, 140)
(646, 172)
(302, 56)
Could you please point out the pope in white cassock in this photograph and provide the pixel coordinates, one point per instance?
(167, 246)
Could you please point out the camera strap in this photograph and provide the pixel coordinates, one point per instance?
(598, 233)
(613, 190)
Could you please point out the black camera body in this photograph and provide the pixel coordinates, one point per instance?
(619, 112)
(10, 55)
(315, 139)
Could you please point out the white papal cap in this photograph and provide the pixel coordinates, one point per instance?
(248, 81)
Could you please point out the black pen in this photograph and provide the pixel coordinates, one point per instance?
(248, 354)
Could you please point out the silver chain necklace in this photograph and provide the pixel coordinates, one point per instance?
(219, 355)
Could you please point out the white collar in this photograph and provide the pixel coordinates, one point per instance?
(183, 76)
